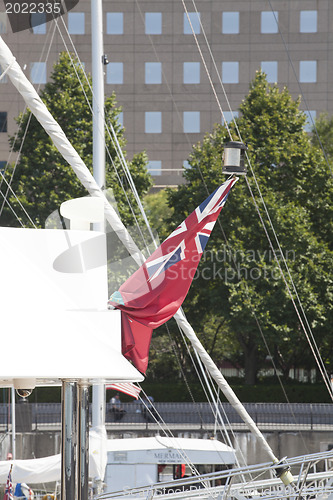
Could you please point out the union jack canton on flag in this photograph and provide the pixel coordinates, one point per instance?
(154, 293)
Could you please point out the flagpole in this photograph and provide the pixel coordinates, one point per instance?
(98, 411)
(98, 390)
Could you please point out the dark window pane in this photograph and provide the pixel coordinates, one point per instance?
(3, 121)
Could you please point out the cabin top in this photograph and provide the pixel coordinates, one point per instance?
(160, 449)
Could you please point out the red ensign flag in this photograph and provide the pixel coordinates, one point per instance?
(154, 293)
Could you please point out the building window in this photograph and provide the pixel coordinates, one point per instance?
(153, 72)
(310, 119)
(229, 116)
(153, 122)
(76, 23)
(2, 165)
(115, 73)
(153, 23)
(3, 79)
(230, 72)
(271, 70)
(186, 164)
(230, 23)
(191, 122)
(38, 23)
(3, 121)
(308, 21)
(269, 22)
(3, 23)
(308, 71)
(194, 21)
(155, 167)
(114, 23)
(38, 72)
(191, 72)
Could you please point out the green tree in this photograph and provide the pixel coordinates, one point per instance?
(322, 135)
(42, 179)
(157, 210)
(238, 285)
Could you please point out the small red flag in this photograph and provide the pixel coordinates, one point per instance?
(126, 388)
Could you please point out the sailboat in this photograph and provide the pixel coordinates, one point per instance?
(24, 379)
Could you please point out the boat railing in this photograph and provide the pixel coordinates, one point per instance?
(313, 479)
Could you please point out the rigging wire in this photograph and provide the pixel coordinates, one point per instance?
(3, 179)
(176, 353)
(317, 357)
(89, 103)
(313, 123)
(204, 386)
(314, 349)
(5, 200)
(92, 112)
(223, 429)
(178, 113)
(116, 144)
(155, 415)
(204, 61)
(279, 378)
(207, 68)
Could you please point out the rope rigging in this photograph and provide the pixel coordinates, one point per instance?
(128, 176)
(48, 44)
(114, 140)
(314, 347)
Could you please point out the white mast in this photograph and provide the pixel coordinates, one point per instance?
(98, 92)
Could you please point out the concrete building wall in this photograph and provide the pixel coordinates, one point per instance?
(291, 444)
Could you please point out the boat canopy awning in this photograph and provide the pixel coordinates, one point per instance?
(55, 324)
(48, 469)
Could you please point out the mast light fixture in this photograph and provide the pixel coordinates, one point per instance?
(233, 158)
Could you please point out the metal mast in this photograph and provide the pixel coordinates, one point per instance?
(98, 391)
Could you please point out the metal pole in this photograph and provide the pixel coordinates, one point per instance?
(69, 432)
(98, 92)
(13, 423)
(98, 391)
(83, 441)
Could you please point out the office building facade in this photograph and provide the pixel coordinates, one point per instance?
(160, 57)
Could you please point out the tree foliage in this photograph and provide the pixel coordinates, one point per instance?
(42, 179)
(238, 287)
(322, 135)
(157, 210)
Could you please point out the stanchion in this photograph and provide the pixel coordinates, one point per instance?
(69, 431)
(83, 441)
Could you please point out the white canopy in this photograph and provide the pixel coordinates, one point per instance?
(48, 469)
(53, 299)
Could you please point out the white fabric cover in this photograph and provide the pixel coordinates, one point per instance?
(53, 299)
(48, 469)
